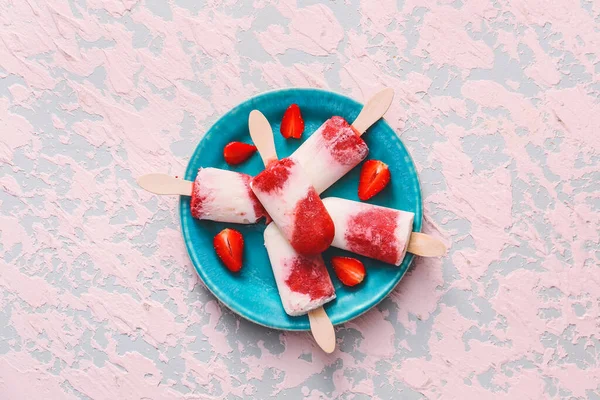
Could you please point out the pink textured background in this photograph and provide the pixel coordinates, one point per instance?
(498, 102)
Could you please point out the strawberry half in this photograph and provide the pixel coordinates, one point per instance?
(374, 176)
(238, 152)
(229, 245)
(349, 270)
(292, 124)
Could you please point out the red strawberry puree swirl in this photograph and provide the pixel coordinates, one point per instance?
(314, 231)
(274, 177)
(344, 142)
(372, 234)
(308, 275)
(199, 198)
(306, 223)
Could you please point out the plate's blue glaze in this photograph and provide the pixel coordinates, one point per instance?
(252, 292)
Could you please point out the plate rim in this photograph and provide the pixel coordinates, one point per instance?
(184, 222)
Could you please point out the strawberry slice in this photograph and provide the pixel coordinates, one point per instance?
(349, 270)
(229, 245)
(238, 152)
(374, 176)
(292, 124)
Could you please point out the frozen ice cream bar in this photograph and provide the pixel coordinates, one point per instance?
(330, 152)
(302, 281)
(336, 147)
(288, 196)
(372, 231)
(225, 196)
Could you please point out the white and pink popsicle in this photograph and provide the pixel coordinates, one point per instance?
(336, 146)
(288, 195)
(225, 196)
(372, 231)
(302, 281)
(331, 152)
(293, 203)
(217, 194)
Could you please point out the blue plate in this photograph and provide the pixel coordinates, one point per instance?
(252, 293)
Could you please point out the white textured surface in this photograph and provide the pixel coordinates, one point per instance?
(339, 211)
(404, 224)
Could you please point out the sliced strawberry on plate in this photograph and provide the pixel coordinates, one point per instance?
(349, 270)
(374, 176)
(292, 124)
(238, 152)
(229, 245)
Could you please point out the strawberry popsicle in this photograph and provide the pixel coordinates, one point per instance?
(225, 196)
(336, 147)
(303, 282)
(372, 231)
(330, 152)
(288, 196)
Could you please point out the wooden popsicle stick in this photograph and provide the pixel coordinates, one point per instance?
(424, 245)
(322, 329)
(165, 184)
(374, 109)
(262, 136)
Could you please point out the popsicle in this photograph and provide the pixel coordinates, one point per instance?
(286, 193)
(336, 146)
(302, 281)
(217, 194)
(378, 232)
